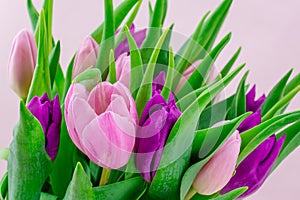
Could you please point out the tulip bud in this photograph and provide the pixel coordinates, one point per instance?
(49, 115)
(123, 69)
(219, 169)
(156, 123)
(86, 56)
(22, 62)
(252, 104)
(254, 170)
(102, 122)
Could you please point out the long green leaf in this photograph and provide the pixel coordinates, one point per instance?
(41, 82)
(168, 85)
(136, 64)
(230, 63)
(4, 186)
(239, 102)
(54, 61)
(232, 194)
(119, 15)
(145, 91)
(33, 14)
(276, 94)
(108, 41)
(28, 164)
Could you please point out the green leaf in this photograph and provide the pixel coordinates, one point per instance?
(89, 78)
(184, 102)
(282, 103)
(4, 187)
(108, 40)
(28, 164)
(41, 82)
(185, 57)
(150, 12)
(112, 68)
(129, 189)
(212, 27)
(136, 64)
(215, 113)
(4, 153)
(232, 194)
(276, 94)
(154, 31)
(48, 7)
(80, 187)
(128, 23)
(178, 149)
(199, 75)
(59, 83)
(63, 163)
(255, 136)
(292, 84)
(230, 63)
(292, 141)
(168, 85)
(239, 102)
(202, 148)
(46, 196)
(33, 14)
(54, 61)
(68, 77)
(119, 15)
(145, 91)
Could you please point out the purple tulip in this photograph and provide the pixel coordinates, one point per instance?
(22, 61)
(254, 170)
(49, 115)
(123, 47)
(157, 120)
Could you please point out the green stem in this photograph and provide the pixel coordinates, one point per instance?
(190, 194)
(104, 176)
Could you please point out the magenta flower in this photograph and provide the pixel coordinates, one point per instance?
(86, 56)
(254, 170)
(156, 123)
(48, 114)
(219, 169)
(102, 122)
(22, 61)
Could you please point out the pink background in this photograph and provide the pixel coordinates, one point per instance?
(268, 31)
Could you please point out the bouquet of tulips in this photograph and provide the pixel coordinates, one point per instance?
(133, 119)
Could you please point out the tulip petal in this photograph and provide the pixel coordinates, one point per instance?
(105, 143)
(250, 122)
(123, 68)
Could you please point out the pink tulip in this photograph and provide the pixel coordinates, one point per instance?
(123, 69)
(86, 56)
(22, 62)
(219, 169)
(102, 123)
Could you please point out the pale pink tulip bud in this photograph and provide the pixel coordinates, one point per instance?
(220, 168)
(86, 56)
(22, 62)
(123, 69)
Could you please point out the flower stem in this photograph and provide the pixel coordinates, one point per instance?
(190, 194)
(104, 176)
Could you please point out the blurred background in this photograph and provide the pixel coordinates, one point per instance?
(267, 30)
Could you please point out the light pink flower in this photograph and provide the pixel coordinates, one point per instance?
(86, 56)
(22, 62)
(102, 123)
(123, 69)
(220, 168)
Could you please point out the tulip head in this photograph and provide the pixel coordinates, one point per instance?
(123, 68)
(86, 56)
(156, 123)
(252, 104)
(102, 122)
(254, 170)
(220, 168)
(49, 115)
(22, 61)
